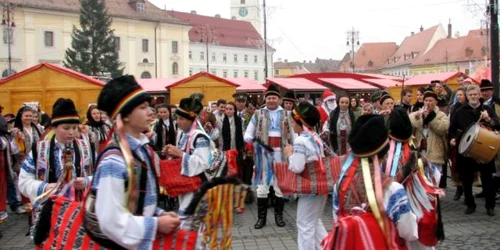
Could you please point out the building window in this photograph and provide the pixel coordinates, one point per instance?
(467, 71)
(224, 73)
(175, 68)
(202, 55)
(255, 59)
(145, 60)
(246, 58)
(190, 72)
(235, 73)
(190, 55)
(49, 38)
(256, 75)
(145, 45)
(245, 73)
(175, 47)
(213, 57)
(140, 7)
(235, 58)
(277, 72)
(214, 72)
(8, 35)
(242, 1)
(117, 43)
(224, 57)
(145, 75)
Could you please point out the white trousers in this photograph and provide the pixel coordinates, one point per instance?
(310, 228)
(263, 190)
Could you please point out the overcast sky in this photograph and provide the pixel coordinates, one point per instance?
(303, 30)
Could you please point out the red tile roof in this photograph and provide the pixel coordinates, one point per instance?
(382, 76)
(228, 32)
(371, 56)
(187, 79)
(297, 84)
(425, 79)
(414, 46)
(348, 84)
(57, 68)
(116, 8)
(247, 85)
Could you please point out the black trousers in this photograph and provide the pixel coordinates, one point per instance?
(247, 173)
(469, 167)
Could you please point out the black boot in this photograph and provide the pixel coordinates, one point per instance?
(278, 211)
(272, 197)
(261, 212)
(458, 193)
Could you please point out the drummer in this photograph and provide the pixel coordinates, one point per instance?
(464, 117)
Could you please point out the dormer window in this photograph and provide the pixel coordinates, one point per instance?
(370, 63)
(468, 52)
(140, 7)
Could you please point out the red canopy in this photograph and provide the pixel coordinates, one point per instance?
(348, 84)
(298, 84)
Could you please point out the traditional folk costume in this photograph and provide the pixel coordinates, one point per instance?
(308, 149)
(125, 214)
(267, 134)
(339, 126)
(47, 163)
(372, 210)
(207, 117)
(164, 133)
(409, 168)
(326, 107)
(31, 136)
(98, 131)
(5, 167)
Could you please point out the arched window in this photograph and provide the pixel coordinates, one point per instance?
(175, 68)
(145, 75)
(145, 60)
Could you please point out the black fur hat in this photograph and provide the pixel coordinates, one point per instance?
(121, 95)
(272, 90)
(368, 135)
(64, 111)
(486, 84)
(189, 108)
(306, 114)
(399, 125)
(290, 96)
(198, 96)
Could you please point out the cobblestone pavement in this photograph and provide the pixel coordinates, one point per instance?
(477, 231)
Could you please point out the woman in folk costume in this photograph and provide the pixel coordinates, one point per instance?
(307, 149)
(409, 168)
(207, 119)
(97, 129)
(42, 170)
(372, 211)
(339, 125)
(25, 134)
(289, 100)
(163, 128)
(5, 168)
(129, 216)
(194, 146)
(232, 135)
(267, 134)
(420, 100)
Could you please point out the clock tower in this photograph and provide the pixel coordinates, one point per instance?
(247, 10)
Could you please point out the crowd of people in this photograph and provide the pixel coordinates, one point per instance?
(394, 160)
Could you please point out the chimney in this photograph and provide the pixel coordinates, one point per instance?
(217, 16)
(304, 61)
(421, 28)
(449, 28)
(286, 60)
(412, 33)
(193, 12)
(310, 61)
(233, 18)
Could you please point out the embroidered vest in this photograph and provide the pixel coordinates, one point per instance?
(262, 127)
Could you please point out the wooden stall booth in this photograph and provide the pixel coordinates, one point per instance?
(251, 87)
(300, 86)
(213, 87)
(45, 83)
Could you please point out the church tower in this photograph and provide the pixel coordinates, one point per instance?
(247, 10)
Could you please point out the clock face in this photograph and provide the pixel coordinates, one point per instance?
(243, 12)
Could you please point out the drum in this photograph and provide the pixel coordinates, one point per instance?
(480, 143)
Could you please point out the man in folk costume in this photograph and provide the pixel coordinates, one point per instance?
(371, 210)
(411, 169)
(327, 106)
(464, 117)
(127, 214)
(307, 149)
(430, 129)
(289, 101)
(270, 129)
(47, 165)
(207, 119)
(193, 145)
